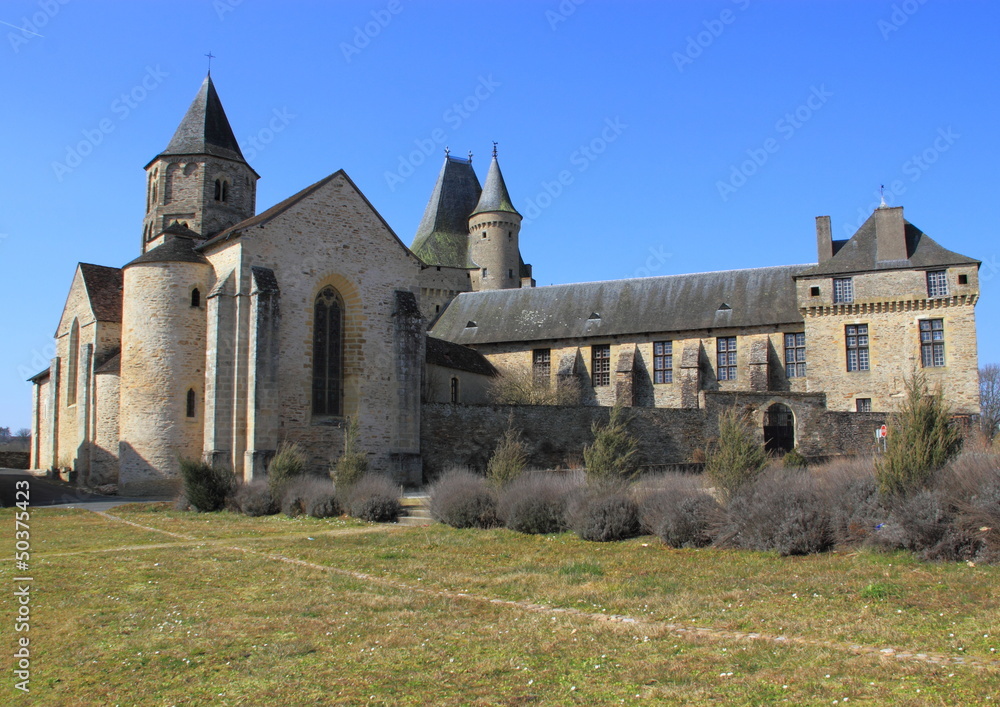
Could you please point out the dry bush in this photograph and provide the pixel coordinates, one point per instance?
(462, 499)
(508, 459)
(311, 496)
(851, 496)
(536, 503)
(255, 499)
(374, 498)
(677, 509)
(353, 463)
(516, 385)
(781, 511)
(603, 513)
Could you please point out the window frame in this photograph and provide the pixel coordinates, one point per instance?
(843, 290)
(726, 361)
(865, 403)
(328, 375)
(862, 352)
(796, 368)
(541, 367)
(932, 340)
(937, 284)
(663, 362)
(600, 365)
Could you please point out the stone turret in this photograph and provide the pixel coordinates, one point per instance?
(494, 227)
(163, 362)
(201, 180)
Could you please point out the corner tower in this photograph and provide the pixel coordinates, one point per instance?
(201, 179)
(494, 228)
(443, 235)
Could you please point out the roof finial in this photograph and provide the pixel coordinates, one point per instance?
(447, 151)
(470, 156)
(494, 149)
(881, 192)
(210, 57)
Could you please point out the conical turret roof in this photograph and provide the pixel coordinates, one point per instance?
(205, 129)
(443, 235)
(494, 196)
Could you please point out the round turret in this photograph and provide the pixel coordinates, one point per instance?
(494, 228)
(162, 363)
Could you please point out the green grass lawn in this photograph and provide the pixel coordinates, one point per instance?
(231, 610)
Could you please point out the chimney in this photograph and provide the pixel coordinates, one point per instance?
(890, 234)
(824, 238)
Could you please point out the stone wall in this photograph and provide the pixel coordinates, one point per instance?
(15, 460)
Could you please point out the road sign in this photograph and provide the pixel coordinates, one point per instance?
(883, 431)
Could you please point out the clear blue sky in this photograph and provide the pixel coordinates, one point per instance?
(650, 111)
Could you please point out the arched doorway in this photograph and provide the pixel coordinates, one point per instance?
(779, 428)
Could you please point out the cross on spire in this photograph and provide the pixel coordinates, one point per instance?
(210, 57)
(494, 149)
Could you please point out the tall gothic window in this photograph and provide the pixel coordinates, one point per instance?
(328, 360)
(73, 364)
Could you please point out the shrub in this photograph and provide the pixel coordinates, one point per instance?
(314, 497)
(614, 453)
(288, 464)
(375, 498)
(921, 440)
(254, 499)
(509, 458)
(677, 509)
(917, 521)
(536, 503)
(205, 486)
(794, 460)
(516, 385)
(603, 513)
(736, 457)
(852, 500)
(779, 511)
(462, 499)
(353, 463)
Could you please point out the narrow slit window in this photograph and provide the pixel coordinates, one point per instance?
(191, 403)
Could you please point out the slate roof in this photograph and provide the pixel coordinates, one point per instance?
(457, 357)
(104, 290)
(177, 249)
(443, 235)
(41, 375)
(754, 297)
(495, 196)
(859, 254)
(205, 129)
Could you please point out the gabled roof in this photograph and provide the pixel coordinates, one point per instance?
(860, 253)
(175, 249)
(495, 196)
(265, 217)
(714, 300)
(443, 235)
(205, 129)
(457, 357)
(104, 290)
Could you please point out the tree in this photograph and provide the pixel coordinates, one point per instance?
(516, 385)
(4, 434)
(23, 434)
(989, 399)
(737, 456)
(921, 440)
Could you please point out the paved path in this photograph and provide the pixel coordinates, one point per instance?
(51, 492)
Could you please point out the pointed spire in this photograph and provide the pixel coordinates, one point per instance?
(495, 196)
(443, 235)
(205, 128)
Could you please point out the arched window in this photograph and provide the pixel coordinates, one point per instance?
(218, 190)
(195, 297)
(190, 402)
(73, 364)
(328, 365)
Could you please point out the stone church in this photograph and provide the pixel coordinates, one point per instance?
(233, 331)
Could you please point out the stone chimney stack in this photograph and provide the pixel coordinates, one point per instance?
(824, 238)
(890, 234)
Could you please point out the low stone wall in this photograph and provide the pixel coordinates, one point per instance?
(15, 460)
(465, 435)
